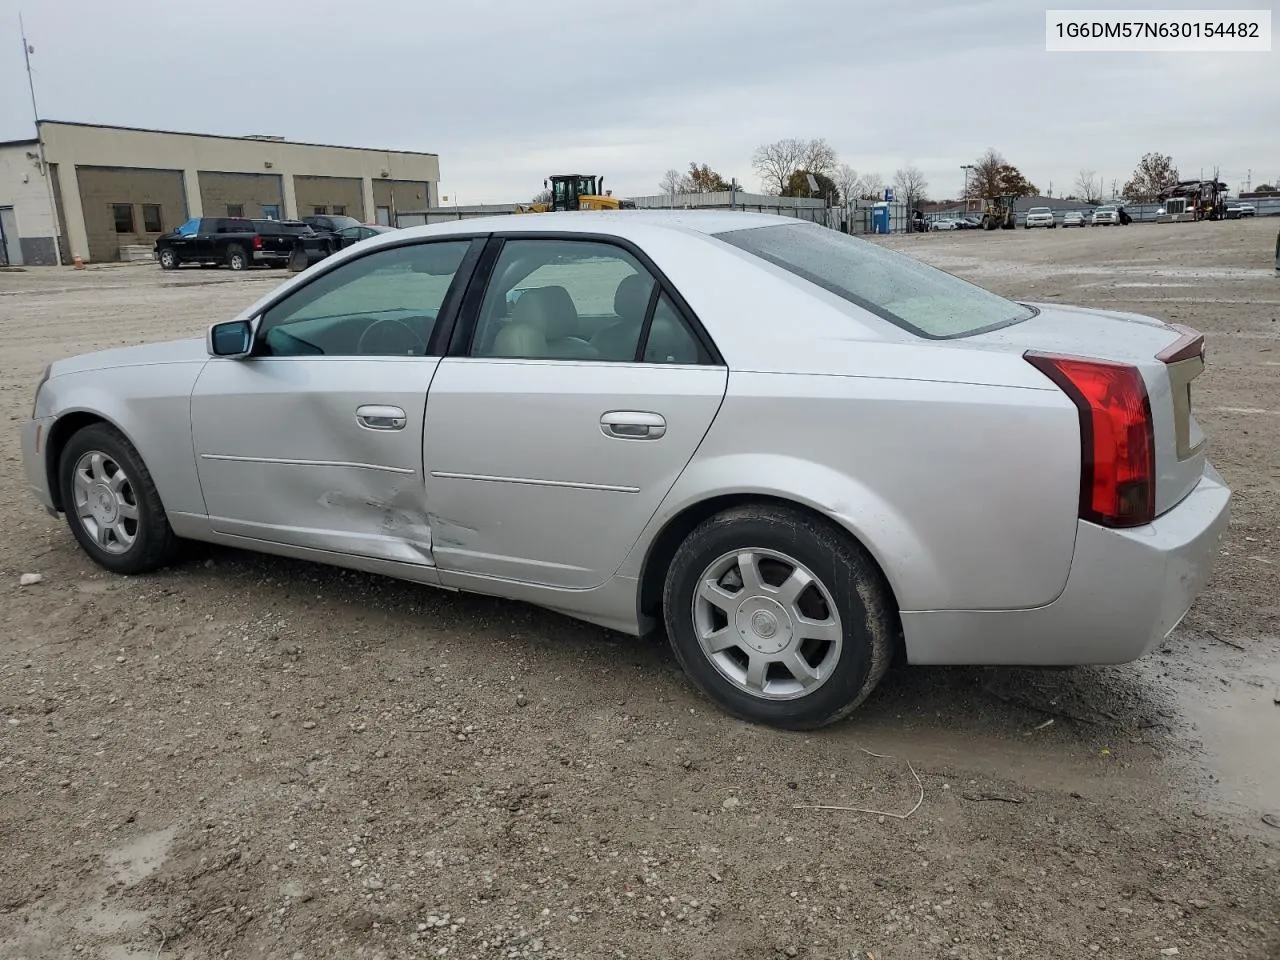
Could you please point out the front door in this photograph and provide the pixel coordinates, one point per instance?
(316, 439)
(553, 441)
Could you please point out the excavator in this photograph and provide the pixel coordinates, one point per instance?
(576, 191)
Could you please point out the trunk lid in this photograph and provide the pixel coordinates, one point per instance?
(1169, 357)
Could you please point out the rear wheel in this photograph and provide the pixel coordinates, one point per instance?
(237, 259)
(778, 617)
(111, 502)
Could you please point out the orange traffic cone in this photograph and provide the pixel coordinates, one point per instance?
(78, 262)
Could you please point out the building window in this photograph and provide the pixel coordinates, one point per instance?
(383, 216)
(123, 214)
(319, 211)
(235, 209)
(271, 211)
(339, 211)
(151, 220)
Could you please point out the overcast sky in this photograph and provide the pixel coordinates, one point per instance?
(510, 91)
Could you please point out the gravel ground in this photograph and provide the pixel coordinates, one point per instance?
(253, 758)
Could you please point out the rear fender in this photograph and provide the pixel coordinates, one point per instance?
(886, 535)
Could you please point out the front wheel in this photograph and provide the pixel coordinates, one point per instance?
(168, 260)
(112, 504)
(778, 617)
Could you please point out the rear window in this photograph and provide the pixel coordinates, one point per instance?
(1040, 210)
(909, 294)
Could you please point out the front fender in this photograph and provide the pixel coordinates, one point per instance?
(151, 406)
(885, 533)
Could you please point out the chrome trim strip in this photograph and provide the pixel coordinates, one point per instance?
(307, 463)
(568, 484)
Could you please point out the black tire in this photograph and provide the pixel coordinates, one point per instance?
(237, 259)
(842, 568)
(154, 543)
(168, 260)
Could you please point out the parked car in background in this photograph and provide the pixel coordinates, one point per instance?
(970, 223)
(1073, 218)
(1039, 217)
(360, 231)
(285, 240)
(944, 223)
(210, 241)
(329, 224)
(1106, 215)
(637, 440)
(1236, 211)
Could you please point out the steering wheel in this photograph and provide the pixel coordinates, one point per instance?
(406, 343)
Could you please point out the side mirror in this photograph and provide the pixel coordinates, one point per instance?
(233, 339)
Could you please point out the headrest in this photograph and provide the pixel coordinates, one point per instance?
(520, 340)
(632, 297)
(550, 309)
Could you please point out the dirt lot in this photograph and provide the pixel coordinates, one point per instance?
(247, 757)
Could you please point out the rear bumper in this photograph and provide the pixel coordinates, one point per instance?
(1126, 591)
(34, 434)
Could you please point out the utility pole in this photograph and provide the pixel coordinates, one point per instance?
(27, 50)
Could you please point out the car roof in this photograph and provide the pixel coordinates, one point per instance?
(615, 222)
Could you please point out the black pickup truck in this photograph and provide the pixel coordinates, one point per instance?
(239, 243)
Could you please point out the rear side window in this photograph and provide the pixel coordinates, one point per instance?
(900, 289)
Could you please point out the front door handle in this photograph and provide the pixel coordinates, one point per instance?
(375, 416)
(633, 425)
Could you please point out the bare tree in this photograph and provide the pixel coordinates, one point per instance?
(846, 178)
(671, 183)
(911, 184)
(872, 187)
(542, 196)
(1089, 186)
(817, 157)
(776, 162)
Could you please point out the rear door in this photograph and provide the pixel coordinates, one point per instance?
(577, 389)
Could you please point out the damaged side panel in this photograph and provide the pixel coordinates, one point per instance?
(321, 453)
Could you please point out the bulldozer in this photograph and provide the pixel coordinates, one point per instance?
(576, 191)
(998, 212)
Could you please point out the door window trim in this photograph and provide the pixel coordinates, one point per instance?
(463, 325)
(458, 287)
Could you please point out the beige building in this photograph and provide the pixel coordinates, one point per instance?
(119, 187)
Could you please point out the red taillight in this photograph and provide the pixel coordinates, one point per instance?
(257, 242)
(1117, 443)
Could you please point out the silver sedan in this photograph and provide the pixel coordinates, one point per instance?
(797, 452)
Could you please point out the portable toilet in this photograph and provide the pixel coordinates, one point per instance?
(880, 218)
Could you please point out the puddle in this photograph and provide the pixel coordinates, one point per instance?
(139, 859)
(1238, 727)
(107, 921)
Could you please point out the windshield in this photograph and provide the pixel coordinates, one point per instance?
(1040, 210)
(907, 293)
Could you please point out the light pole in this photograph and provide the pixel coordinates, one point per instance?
(966, 167)
(27, 50)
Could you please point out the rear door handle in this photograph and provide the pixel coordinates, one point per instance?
(375, 416)
(633, 425)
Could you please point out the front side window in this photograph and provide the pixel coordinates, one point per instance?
(897, 288)
(384, 305)
(577, 300)
(122, 214)
(189, 228)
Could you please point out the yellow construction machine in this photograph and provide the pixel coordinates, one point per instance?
(999, 213)
(576, 191)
